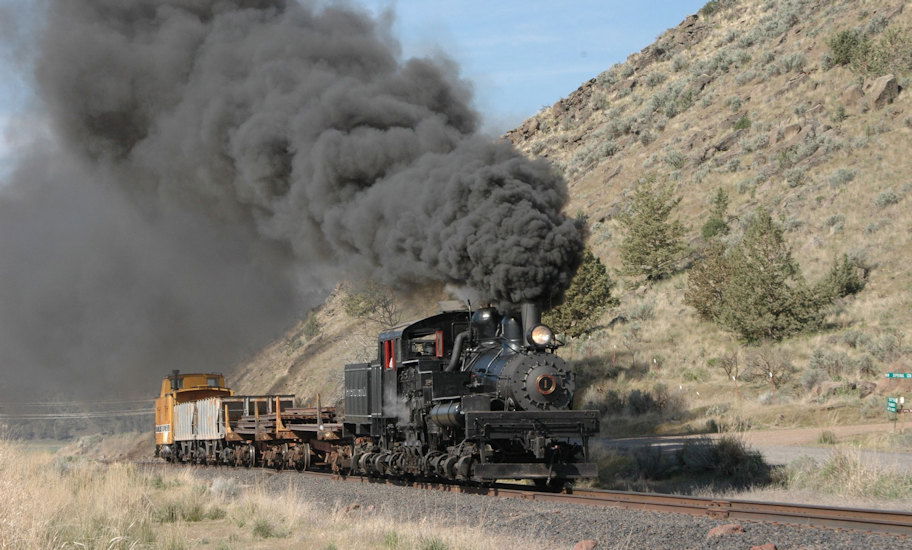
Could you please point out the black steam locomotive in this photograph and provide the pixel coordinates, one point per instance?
(468, 396)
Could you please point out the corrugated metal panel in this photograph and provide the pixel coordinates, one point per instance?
(357, 390)
(209, 419)
(199, 420)
(183, 421)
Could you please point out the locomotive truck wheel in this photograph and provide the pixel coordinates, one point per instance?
(448, 466)
(464, 468)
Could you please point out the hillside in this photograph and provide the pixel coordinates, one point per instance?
(744, 97)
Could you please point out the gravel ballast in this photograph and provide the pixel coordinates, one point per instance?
(551, 525)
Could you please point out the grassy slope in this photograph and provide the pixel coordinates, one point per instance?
(755, 64)
(761, 60)
(306, 366)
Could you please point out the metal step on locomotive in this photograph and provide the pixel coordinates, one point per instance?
(462, 396)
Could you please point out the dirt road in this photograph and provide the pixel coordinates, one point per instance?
(778, 446)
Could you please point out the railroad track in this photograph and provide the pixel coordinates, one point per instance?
(857, 519)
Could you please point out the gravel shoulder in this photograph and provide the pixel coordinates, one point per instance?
(544, 525)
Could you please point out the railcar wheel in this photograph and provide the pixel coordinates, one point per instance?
(304, 462)
(250, 456)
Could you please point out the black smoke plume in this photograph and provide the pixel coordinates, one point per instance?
(217, 157)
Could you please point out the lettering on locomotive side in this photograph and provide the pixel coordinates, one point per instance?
(162, 428)
(356, 392)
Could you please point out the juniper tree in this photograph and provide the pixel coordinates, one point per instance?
(717, 223)
(755, 289)
(653, 242)
(586, 299)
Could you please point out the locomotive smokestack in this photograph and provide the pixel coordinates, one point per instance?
(531, 317)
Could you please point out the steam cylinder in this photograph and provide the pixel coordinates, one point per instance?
(448, 414)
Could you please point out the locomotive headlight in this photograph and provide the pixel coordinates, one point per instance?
(542, 336)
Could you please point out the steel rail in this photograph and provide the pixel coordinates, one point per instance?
(893, 522)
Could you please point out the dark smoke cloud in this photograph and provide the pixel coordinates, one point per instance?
(220, 145)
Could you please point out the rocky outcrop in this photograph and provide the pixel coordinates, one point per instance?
(882, 91)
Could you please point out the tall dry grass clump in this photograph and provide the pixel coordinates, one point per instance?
(55, 502)
(846, 473)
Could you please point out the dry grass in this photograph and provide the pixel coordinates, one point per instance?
(56, 502)
(845, 473)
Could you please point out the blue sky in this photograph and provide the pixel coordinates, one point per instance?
(521, 55)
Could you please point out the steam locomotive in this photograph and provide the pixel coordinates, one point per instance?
(471, 396)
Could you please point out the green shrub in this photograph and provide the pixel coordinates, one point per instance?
(679, 62)
(835, 363)
(675, 159)
(264, 529)
(710, 8)
(391, 540)
(841, 177)
(312, 327)
(433, 544)
(827, 437)
(655, 78)
(641, 311)
(715, 6)
(743, 123)
(892, 53)
(886, 198)
(793, 62)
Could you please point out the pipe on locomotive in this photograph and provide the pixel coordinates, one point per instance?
(531, 318)
(458, 344)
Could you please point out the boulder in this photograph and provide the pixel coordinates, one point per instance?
(587, 544)
(852, 94)
(727, 529)
(882, 91)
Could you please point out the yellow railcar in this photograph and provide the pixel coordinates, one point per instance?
(182, 388)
